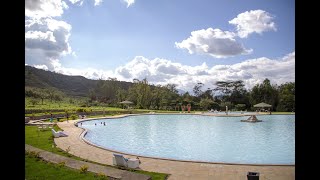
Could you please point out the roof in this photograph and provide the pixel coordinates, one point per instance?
(262, 105)
(126, 102)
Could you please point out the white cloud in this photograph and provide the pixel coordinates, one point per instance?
(46, 39)
(252, 71)
(77, 2)
(44, 8)
(213, 42)
(64, 5)
(163, 71)
(252, 21)
(97, 2)
(44, 67)
(41, 36)
(89, 73)
(129, 2)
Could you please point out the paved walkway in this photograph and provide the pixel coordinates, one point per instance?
(177, 169)
(76, 164)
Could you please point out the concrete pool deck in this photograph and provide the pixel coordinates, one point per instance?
(176, 169)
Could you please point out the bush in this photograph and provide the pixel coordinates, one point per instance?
(33, 154)
(100, 175)
(61, 164)
(81, 110)
(83, 169)
(73, 117)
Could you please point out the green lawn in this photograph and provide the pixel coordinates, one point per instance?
(36, 169)
(44, 140)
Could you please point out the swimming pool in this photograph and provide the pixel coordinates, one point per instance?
(198, 138)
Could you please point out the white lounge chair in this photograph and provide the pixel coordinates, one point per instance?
(119, 160)
(58, 133)
(82, 116)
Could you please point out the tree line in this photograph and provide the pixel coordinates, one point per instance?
(166, 97)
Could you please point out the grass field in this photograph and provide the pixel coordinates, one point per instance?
(44, 140)
(38, 169)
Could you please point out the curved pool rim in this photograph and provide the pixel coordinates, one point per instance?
(84, 132)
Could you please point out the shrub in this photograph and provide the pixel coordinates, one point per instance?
(84, 169)
(61, 164)
(100, 175)
(73, 117)
(81, 110)
(33, 154)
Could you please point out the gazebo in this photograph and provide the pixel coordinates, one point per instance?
(262, 105)
(126, 102)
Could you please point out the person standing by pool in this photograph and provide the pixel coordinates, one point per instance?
(67, 118)
(138, 159)
(51, 117)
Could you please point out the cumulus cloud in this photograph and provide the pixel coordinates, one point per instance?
(252, 71)
(44, 8)
(77, 2)
(97, 2)
(157, 70)
(89, 73)
(163, 71)
(213, 42)
(257, 21)
(46, 39)
(44, 67)
(129, 2)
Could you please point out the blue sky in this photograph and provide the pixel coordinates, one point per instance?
(167, 41)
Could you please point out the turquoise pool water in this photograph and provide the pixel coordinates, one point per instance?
(199, 138)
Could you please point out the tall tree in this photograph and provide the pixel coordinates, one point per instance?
(224, 87)
(140, 93)
(197, 89)
(287, 97)
(207, 94)
(232, 92)
(265, 92)
(205, 103)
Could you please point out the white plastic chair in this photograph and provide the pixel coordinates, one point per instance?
(125, 162)
(58, 133)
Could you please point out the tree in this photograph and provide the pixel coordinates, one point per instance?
(42, 95)
(224, 87)
(92, 95)
(232, 92)
(121, 95)
(205, 103)
(287, 97)
(265, 92)
(156, 96)
(36, 93)
(207, 94)
(140, 93)
(34, 101)
(197, 89)
(50, 93)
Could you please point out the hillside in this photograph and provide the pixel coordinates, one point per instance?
(70, 85)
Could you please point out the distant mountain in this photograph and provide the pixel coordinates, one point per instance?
(70, 85)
